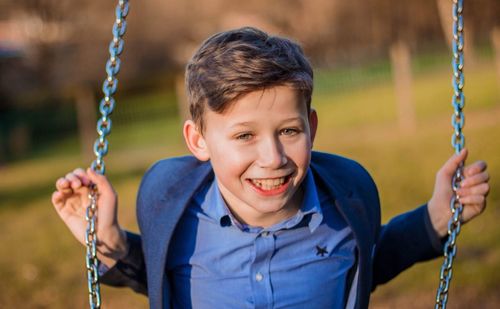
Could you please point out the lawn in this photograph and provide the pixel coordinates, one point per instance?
(43, 266)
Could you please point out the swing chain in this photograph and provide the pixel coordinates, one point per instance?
(457, 142)
(109, 86)
(106, 107)
(92, 263)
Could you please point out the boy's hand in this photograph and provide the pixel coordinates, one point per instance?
(473, 191)
(71, 200)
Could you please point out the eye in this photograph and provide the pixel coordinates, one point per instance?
(289, 131)
(244, 136)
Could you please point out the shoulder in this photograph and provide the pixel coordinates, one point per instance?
(172, 167)
(333, 160)
(167, 172)
(340, 168)
(344, 177)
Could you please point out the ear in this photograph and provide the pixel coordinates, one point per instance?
(195, 141)
(313, 124)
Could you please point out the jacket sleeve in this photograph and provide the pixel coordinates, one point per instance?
(131, 270)
(407, 239)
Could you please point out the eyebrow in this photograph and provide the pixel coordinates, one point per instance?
(301, 119)
(242, 124)
(250, 123)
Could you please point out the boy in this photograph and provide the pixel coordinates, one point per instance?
(256, 218)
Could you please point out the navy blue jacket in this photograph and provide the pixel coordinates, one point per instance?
(168, 186)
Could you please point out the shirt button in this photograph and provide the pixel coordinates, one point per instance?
(265, 233)
(259, 277)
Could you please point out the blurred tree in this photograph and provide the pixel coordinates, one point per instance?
(495, 40)
(399, 27)
(66, 45)
(402, 76)
(34, 27)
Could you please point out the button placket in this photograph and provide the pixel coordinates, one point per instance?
(259, 277)
(264, 245)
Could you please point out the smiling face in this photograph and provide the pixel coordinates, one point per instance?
(260, 150)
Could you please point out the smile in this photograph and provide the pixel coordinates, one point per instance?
(270, 186)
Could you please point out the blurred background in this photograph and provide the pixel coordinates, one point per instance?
(382, 90)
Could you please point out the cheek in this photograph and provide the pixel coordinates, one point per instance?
(230, 163)
(300, 153)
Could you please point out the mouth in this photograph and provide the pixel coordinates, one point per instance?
(270, 186)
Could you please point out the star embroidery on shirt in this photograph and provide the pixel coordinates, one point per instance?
(321, 251)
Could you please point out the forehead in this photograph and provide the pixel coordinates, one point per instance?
(270, 104)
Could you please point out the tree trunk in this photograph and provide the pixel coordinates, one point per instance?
(445, 8)
(495, 42)
(3, 151)
(19, 140)
(401, 70)
(86, 117)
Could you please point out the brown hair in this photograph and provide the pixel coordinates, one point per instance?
(233, 63)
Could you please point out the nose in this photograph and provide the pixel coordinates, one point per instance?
(271, 154)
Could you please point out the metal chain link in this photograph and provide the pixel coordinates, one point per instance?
(457, 142)
(106, 107)
(91, 261)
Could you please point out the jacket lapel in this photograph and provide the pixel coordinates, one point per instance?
(175, 199)
(354, 212)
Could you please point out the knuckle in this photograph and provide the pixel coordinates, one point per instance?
(54, 196)
(482, 207)
(440, 173)
(78, 171)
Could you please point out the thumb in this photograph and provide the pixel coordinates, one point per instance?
(454, 162)
(107, 198)
(100, 181)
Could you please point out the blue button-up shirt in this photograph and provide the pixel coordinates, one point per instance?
(304, 261)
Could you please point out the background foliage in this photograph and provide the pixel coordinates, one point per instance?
(45, 67)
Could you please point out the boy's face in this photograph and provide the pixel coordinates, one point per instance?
(260, 150)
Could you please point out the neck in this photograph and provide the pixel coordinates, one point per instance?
(248, 215)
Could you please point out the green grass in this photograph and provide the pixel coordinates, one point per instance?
(42, 265)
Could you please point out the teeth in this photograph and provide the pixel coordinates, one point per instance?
(268, 184)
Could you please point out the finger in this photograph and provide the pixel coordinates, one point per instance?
(84, 178)
(481, 189)
(66, 213)
(475, 180)
(475, 168)
(63, 185)
(471, 210)
(74, 180)
(57, 200)
(452, 164)
(473, 200)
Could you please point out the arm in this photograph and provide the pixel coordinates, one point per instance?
(116, 249)
(407, 239)
(419, 235)
(130, 270)
(70, 201)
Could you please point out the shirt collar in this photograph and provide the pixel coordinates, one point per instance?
(216, 208)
